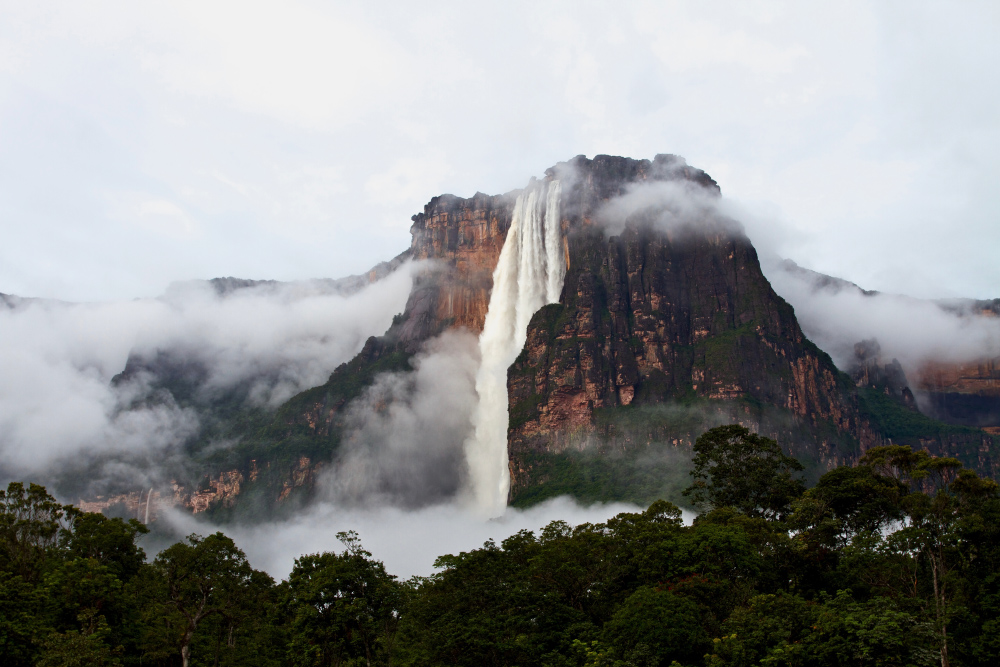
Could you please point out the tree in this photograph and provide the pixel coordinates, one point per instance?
(660, 625)
(944, 502)
(30, 524)
(192, 581)
(859, 499)
(343, 606)
(734, 467)
(86, 648)
(111, 542)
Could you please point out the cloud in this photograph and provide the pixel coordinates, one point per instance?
(407, 541)
(280, 337)
(403, 438)
(59, 407)
(836, 315)
(833, 313)
(677, 207)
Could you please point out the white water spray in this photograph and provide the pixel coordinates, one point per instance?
(146, 520)
(529, 274)
(555, 260)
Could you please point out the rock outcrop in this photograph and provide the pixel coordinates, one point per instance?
(871, 371)
(463, 237)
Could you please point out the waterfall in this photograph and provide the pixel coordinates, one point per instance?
(146, 520)
(555, 260)
(529, 274)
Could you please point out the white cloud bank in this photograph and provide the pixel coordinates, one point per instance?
(406, 541)
(914, 331)
(57, 360)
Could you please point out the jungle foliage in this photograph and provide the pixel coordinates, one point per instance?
(894, 561)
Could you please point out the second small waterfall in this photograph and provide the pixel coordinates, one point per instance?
(528, 275)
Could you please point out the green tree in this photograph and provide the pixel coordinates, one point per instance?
(734, 467)
(343, 607)
(188, 583)
(787, 630)
(110, 542)
(945, 502)
(22, 622)
(88, 647)
(658, 627)
(30, 525)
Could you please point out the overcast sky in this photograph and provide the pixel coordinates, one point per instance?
(142, 143)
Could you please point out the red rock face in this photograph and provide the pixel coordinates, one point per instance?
(217, 489)
(134, 504)
(981, 378)
(464, 238)
(966, 394)
(645, 321)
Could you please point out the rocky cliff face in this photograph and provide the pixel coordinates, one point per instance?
(652, 316)
(871, 371)
(967, 394)
(463, 237)
(661, 331)
(963, 393)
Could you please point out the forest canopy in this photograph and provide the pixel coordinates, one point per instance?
(894, 561)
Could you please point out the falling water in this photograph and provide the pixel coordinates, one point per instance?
(555, 260)
(146, 520)
(528, 275)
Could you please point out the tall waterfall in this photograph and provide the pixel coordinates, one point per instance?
(528, 275)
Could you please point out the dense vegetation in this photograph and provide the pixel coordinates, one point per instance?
(895, 561)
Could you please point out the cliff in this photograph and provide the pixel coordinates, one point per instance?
(963, 389)
(657, 317)
(463, 237)
(665, 327)
(966, 393)
(663, 332)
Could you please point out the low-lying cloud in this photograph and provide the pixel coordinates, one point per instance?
(59, 405)
(837, 314)
(404, 436)
(407, 541)
(677, 207)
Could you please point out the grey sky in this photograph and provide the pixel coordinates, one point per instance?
(142, 143)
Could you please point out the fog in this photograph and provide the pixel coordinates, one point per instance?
(403, 443)
(58, 404)
(677, 207)
(406, 541)
(836, 315)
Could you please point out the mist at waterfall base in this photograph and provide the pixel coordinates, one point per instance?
(407, 541)
(403, 437)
